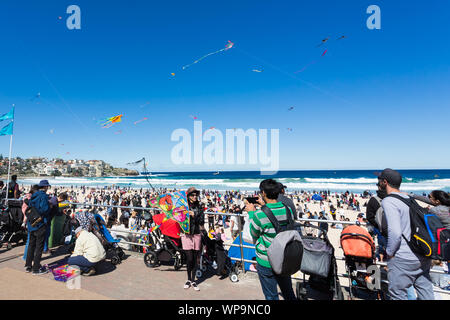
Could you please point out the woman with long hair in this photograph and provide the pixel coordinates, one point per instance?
(192, 241)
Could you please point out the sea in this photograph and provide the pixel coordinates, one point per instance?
(358, 181)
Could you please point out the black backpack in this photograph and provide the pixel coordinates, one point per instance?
(429, 238)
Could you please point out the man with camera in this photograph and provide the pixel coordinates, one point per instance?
(262, 232)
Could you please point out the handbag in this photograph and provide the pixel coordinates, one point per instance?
(317, 255)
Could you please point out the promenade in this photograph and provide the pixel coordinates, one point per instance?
(130, 280)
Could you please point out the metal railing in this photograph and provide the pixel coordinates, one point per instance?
(241, 245)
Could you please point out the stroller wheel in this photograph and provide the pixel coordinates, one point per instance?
(301, 291)
(198, 273)
(115, 260)
(178, 263)
(150, 259)
(120, 253)
(234, 277)
(203, 268)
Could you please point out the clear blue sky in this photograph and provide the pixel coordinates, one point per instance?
(379, 98)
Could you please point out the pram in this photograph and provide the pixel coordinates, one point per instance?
(11, 230)
(113, 251)
(319, 262)
(359, 252)
(211, 254)
(165, 244)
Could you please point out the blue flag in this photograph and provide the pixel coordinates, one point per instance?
(7, 130)
(7, 116)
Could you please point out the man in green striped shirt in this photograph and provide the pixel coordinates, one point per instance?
(263, 233)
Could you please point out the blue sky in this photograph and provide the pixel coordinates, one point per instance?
(378, 98)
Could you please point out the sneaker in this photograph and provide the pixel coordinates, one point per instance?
(187, 285)
(42, 270)
(27, 269)
(89, 273)
(194, 285)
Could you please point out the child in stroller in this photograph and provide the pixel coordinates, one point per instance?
(359, 252)
(215, 255)
(165, 243)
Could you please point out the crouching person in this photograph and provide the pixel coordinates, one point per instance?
(87, 253)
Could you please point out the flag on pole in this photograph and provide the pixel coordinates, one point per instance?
(7, 116)
(7, 130)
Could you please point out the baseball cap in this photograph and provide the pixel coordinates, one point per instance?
(360, 215)
(394, 178)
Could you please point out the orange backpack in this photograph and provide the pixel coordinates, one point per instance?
(357, 242)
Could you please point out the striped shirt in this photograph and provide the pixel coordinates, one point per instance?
(263, 232)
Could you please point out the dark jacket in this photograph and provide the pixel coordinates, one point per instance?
(197, 220)
(289, 203)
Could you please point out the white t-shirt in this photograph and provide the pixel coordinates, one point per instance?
(235, 224)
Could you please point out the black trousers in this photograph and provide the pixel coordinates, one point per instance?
(220, 257)
(35, 248)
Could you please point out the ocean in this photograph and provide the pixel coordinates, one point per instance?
(417, 181)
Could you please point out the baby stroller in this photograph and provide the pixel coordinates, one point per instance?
(359, 252)
(11, 230)
(113, 251)
(165, 244)
(211, 254)
(319, 262)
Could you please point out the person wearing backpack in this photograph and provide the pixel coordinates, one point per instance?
(263, 233)
(405, 267)
(39, 201)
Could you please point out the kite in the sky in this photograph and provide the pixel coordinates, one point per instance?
(37, 96)
(143, 119)
(52, 130)
(143, 105)
(173, 74)
(291, 108)
(118, 132)
(324, 52)
(256, 70)
(228, 46)
(342, 37)
(323, 41)
(109, 122)
(193, 117)
(289, 129)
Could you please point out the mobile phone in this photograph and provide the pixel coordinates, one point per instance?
(252, 200)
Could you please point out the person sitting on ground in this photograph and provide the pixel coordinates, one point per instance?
(88, 252)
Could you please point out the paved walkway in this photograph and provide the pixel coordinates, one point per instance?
(129, 280)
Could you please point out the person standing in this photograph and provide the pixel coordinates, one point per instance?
(405, 268)
(262, 232)
(39, 201)
(191, 242)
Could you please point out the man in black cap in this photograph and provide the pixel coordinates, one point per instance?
(405, 268)
(287, 201)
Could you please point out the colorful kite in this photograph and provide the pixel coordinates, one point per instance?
(228, 46)
(175, 206)
(256, 70)
(143, 119)
(173, 74)
(324, 52)
(193, 117)
(109, 122)
(65, 272)
(289, 129)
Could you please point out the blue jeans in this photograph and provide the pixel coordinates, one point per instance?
(82, 262)
(47, 235)
(269, 281)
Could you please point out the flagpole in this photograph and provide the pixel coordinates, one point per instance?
(9, 164)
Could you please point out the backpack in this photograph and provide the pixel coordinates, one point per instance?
(286, 250)
(380, 219)
(33, 216)
(429, 238)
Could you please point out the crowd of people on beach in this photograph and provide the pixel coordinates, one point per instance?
(64, 215)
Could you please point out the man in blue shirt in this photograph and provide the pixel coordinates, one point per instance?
(39, 201)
